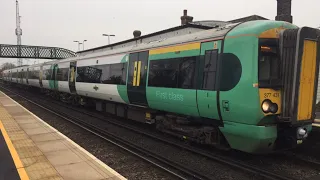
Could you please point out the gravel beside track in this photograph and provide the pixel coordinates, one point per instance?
(275, 163)
(309, 151)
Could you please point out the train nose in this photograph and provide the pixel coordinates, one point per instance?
(302, 133)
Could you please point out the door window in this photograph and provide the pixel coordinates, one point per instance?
(210, 70)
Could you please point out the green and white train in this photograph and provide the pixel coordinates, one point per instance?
(248, 86)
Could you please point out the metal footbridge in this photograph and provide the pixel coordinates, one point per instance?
(34, 52)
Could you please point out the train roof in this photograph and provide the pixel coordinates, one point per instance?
(251, 27)
(197, 36)
(189, 25)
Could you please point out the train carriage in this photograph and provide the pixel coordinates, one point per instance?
(33, 75)
(102, 78)
(248, 86)
(48, 75)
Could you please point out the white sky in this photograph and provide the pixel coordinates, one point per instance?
(60, 22)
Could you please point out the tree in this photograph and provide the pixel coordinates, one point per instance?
(5, 66)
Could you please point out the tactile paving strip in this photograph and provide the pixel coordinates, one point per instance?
(33, 160)
(44, 152)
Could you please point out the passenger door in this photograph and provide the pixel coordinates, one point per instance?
(17, 76)
(21, 75)
(137, 77)
(27, 76)
(40, 76)
(72, 77)
(208, 78)
(53, 83)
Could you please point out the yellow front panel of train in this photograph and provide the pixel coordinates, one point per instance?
(307, 80)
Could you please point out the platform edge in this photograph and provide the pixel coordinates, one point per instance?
(72, 142)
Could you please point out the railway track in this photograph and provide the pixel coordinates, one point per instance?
(175, 169)
(162, 163)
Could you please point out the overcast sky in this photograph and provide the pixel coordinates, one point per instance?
(60, 22)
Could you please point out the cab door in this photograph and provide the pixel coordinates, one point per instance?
(137, 78)
(208, 80)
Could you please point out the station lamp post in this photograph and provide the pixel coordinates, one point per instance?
(108, 36)
(83, 43)
(78, 44)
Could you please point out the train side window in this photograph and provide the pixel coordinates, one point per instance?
(104, 74)
(62, 74)
(210, 70)
(187, 70)
(47, 74)
(163, 73)
(89, 74)
(173, 73)
(118, 73)
(34, 74)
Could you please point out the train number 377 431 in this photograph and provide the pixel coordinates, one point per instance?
(269, 95)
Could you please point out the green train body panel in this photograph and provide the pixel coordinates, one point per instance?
(181, 101)
(243, 98)
(249, 138)
(122, 89)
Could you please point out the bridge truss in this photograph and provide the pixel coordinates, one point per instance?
(34, 52)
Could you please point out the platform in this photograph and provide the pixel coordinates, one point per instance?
(32, 149)
(316, 123)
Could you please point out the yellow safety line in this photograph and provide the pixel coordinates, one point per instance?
(317, 121)
(22, 172)
(315, 124)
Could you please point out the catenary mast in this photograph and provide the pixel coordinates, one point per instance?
(18, 32)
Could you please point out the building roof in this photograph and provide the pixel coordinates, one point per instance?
(150, 35)
(207, 24)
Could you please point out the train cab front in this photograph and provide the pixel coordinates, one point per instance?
(288, 79)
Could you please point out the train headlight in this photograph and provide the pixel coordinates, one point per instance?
(268, 106)
(302, 133)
